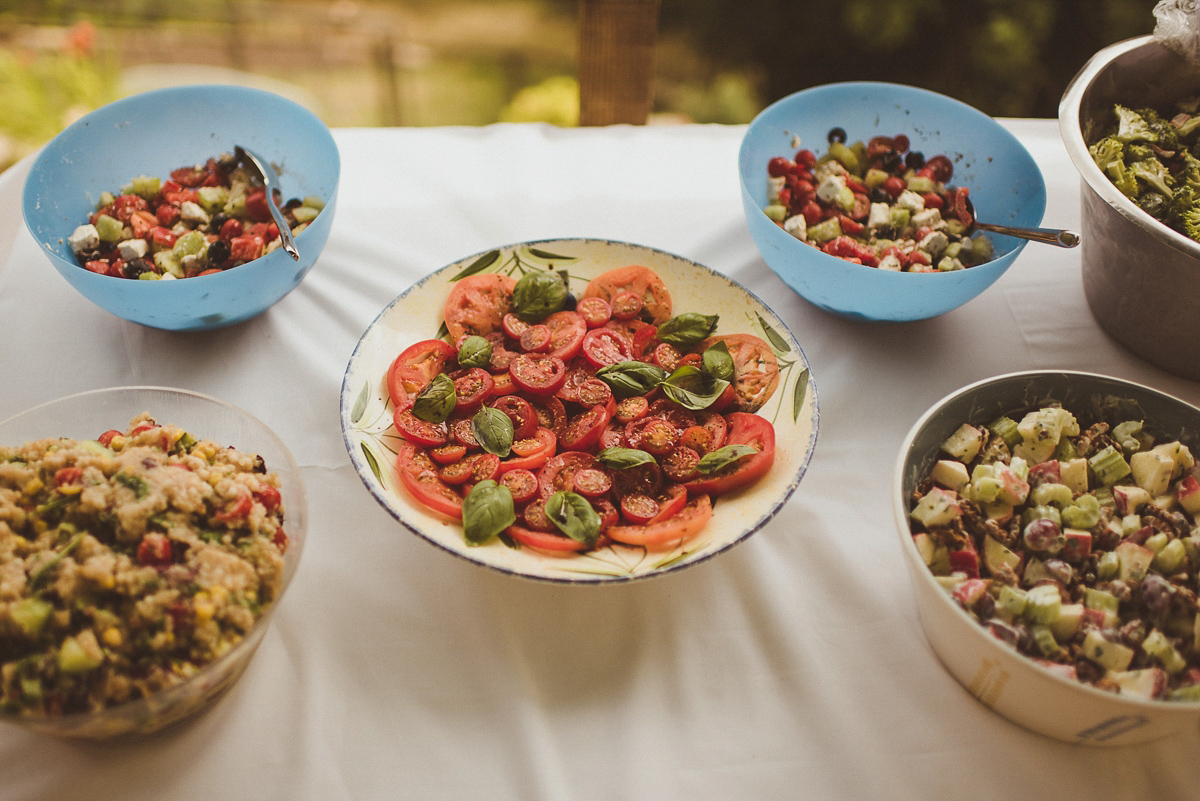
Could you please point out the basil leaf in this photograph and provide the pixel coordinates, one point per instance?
(474, 351)
(717, 362)
(630, 378)
(539, 294)
(434, 403)
(487, 511)
(691, 388)
(493, 429)
(723, 457)
(618, 458)
(574, 516)
(687, 329)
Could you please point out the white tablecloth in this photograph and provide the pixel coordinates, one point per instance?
(792, 666)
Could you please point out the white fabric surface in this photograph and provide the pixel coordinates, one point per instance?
(791, 667)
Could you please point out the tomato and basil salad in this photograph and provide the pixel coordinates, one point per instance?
(566, 424)
(201, 220)
(1076, 541)
(881, 204)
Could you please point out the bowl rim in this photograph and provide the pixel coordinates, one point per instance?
(914, 90)
(1071, 132)
(978, 633)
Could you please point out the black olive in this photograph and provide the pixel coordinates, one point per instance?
(218, 253)
(915, 160)
(260, 466)
(569, 303)
(135, 267)
(217, 221)
(890, 161)
(880, 195)
(294, 203)
(885, 232)
(837, 135)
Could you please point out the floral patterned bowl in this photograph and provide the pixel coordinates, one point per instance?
(370, 437)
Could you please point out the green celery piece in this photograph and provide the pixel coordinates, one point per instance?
(1109, 466)
(1006, 429)
(31, 614)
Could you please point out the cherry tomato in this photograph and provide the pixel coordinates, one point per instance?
(462, 433)
(654, 434)
(532, 452)
(680, 464)
(472, 388)
(717, 427)
(502, 384)
(418, 431)
(484, 466)
(106, 438)
(656, 300)
(415, 367)
(551, 413)
(566, 334)
(604, 346)
(535, 339)
(268, 496)
(520, 411)
(645, 478)
(666, 356)
(522, 484)
(595, 392)
(670, 532)
(671, 501)
(638, 508)
(592, 482)
(631, 408)
(448, 453)
(477, 304)
(755, 368)
(626, 305)
(940, 168)
(584, 430)
(611, 436)
(456, 473)
(513, 325)
(154, 549)
(577, 374)
(537, 373)
(744, 429)
(535, 517)
(418, 475)
(594, 311)
(558, 473)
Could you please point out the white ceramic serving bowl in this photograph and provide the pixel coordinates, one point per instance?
(996, 674)
(86, 416)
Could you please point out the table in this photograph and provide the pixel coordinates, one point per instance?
(792, 666)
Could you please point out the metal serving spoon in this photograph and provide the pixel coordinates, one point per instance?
(1049, 236)
(271, 181)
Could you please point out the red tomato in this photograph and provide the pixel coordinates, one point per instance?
(755, 368)
(671, 502)
(415, 367)
(680, 464)
(584, 431)
(154, 549)
(418, 475)
(456, 473)
(744, 429)
(592, 482)
(594, 311)
(595, 392)
(236, 510)
(626, 305)
(520, 411)
(522, 484)
(472, 388)
(532, 452)
(604, 346)
(667, 533)
(268, 496)
(666, 356)
(106, 438)
(448, 453)
(477, 305)
(559, 471)
(645, 478)
(418, 431)
(535, 517)
(538, 374)
(543, 540)
(551, 413)
(535, 339)
(653, 434)
(566, 334)
(631, 408)
(638, 508)
(513, 325)
(484, 466)
(256, 204)
(577, 374)
(462, 433)
(644, 282)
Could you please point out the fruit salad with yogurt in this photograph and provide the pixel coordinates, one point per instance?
(881, 204)
(1075, 542)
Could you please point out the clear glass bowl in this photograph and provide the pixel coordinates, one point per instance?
(85, 416)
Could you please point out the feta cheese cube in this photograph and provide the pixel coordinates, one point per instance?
(131, 249)
(934, 243)
(85, 237)
(879, 214)
(911, 200)
(928, 218)
(797, 226)
(773, 187)
(191, 212)
(890, 262)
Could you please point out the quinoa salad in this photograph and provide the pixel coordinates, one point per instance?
(128, 563)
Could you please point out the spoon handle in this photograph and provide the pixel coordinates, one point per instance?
(1049, 236)
(271, 180)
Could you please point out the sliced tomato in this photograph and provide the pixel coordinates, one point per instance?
(642, 281)
(418, 431)
(472, 388)
(605, 346)
(484, 467)
(671, 502)
(477, 305)
(418, 474)
(462, 433)
(667, 533)
(744, 429)
(567, 329)
(502, 384)
(456, 473)
(520, 411)
(595, 392)
(638, 508)
(577, 374)
(535, 339)
(717, 427)
(631, 408)
(626, 305)
(513, 325)
(559, 471)
(584, 430)
(448, 453)
(544, 540)
(415, 367)
(532, 452)
(551, 413)
(645, 478)
(755, 368)
(592, 482)
(540, 374)
(522, 484)
(594, 311)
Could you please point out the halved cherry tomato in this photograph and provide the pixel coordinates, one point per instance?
(594, 311)
(513, 325)
(532, 452)
(268, 496)
(604, 346)
(522, 484)
(744, 429)
(645, 478)
(717, 427)
(666, 356)
(448, 453)
(477, 304)
(462, 433)
(611, 436)
(106, 438)
(484, 466)
(472, 388)
(551, 413)
(418, 431)
(755, 368)
(592, 482)
(566, 334)
(559, 471)
(638, 508)
(670, 532)
(577, 374)
(520, 411)
(626, 305)
(595, 392)
(671, 502)
(631, 408)
(680, 464)
(502, 384)
(584, 430)
(653, 434)
(644, 282)
(538, 373)
(535, 517)
(415, 367)
(535, 339)
(456, 473)
(419, 476)
(154, 549)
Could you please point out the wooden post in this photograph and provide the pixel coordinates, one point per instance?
(616, 60)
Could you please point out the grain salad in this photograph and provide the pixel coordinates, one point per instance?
(128, 563)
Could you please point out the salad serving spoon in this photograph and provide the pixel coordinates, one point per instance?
(1049, 236)
(271, 181)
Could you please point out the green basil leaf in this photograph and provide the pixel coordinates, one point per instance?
(574, 516)
(717, 362)
(494, 430)
(434, 403)
(630, 378)
(474, 351)
(539, 294)
(487, 511)
(618, 458)
(691, 388)
(687, 329)
(723, 457)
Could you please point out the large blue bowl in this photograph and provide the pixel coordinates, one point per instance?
(1005, 183)
(151, 134)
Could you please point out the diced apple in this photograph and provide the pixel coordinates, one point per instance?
(970, 591)
(1188, 495)
(1171, 558)
(1178, 453)
(1069, 618)
(964, 444)
(1066, 671)
(1013, 488)
(1158, 646)
(1145, 683)
(965, 561)
(1035, 571)
(938, 507)
(1106, 654)
(925, 546)
(998, 558)
(1041, 430)
(1074, 473)
(1129, 499)
(1078, 544)
(1048, 472)
(1152, 471)
(951, 474)
(1100, 618)
(1134, 559)
(999, 513)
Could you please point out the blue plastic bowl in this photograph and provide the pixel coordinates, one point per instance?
(1005, 183)
(156, 132)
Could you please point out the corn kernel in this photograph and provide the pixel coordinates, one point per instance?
(204, 611)
(218, 594)
(33, 486)
(70, 489)
(112, 637)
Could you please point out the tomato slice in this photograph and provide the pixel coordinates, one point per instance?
(532, 452)
(584, 431)
(744, 429)
(638, 508)
(472, 388)
(567, 329)
(755, 368)
(477, 305)
(537, 373)
(605, 346)
(670, 532)
(520, 411)
(544, 540)
(559, 471)
(419, 477)
(522, 484)
(415, 367)
(642, 281)
(418, 431)
(671, 501)
(594, 311)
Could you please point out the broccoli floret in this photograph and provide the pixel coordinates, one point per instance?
(1165, 134)
(1186, 126)
(1153, 203)
(1191, 224)
(1123, 179)
(1132, 127)
(1106, 152)
(1152, 172)
(1188, 172)
(1138, 152)
(1185, 200)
